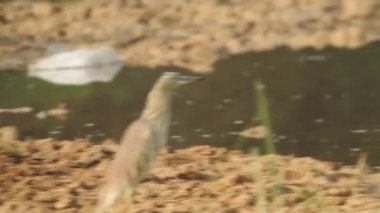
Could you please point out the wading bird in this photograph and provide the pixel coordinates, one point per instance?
(141, 142)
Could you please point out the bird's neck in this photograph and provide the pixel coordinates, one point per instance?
(157, 106)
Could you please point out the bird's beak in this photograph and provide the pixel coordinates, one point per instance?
(184, 79)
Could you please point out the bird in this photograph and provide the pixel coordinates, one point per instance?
(141, 142)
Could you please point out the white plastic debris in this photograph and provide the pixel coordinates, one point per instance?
(78, 67)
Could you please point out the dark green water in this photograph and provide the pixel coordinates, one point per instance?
(323, 104)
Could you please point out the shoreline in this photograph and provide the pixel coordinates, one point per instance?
(191, 35)
(64, 176)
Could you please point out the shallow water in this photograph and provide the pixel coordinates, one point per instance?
(324, 104)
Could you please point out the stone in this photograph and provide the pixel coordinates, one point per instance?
(356, 8)
(63, 203)
(8, 134)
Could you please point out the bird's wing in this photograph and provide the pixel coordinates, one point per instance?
(137, 151)
(133, 159)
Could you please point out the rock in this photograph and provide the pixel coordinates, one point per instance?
(63, 203)
(8, 134)
(44, 145)
(355, 35)
(72, 147)
(355, 8)
(165, 173)
(338, 38)
(45, 197)
(44, 9)
(233, 179)
(22, 207)
(90, 157)
(339, 192)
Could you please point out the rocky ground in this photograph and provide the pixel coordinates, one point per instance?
(191, 34)
(64, 176)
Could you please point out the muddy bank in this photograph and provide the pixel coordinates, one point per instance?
(191, 34)
(64, 176)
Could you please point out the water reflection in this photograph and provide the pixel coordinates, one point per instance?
(323, 104)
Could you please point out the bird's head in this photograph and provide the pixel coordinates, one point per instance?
(171, 80)
(159, 97)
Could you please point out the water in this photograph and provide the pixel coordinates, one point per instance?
(323, 104)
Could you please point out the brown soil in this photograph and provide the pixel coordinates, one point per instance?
(191, 34)
(64, 176)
